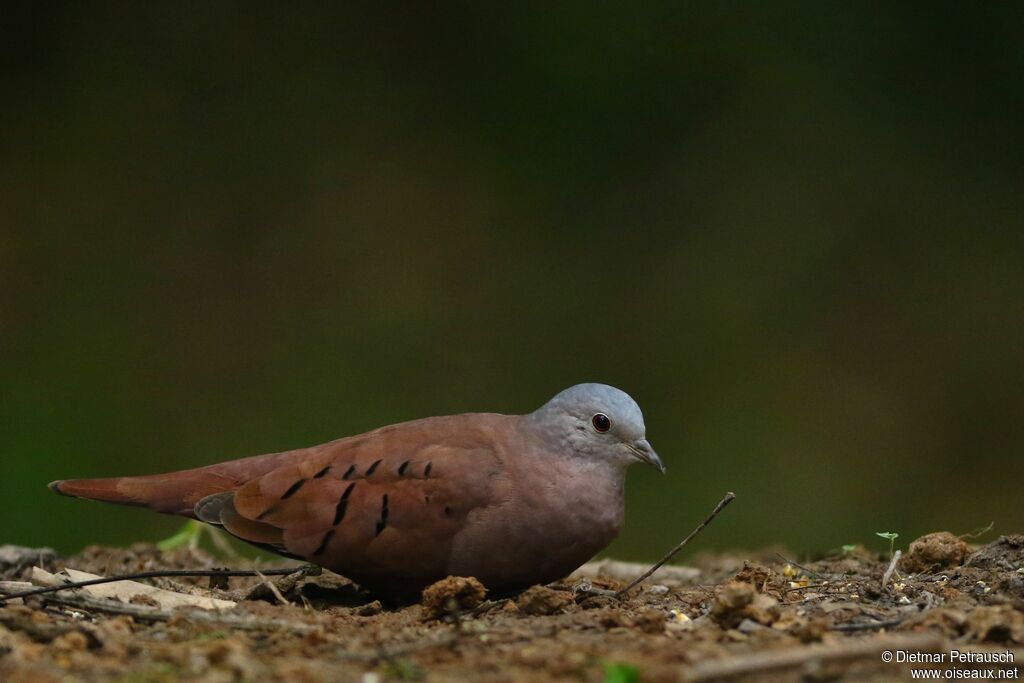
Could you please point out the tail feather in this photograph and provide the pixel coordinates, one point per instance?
(174, 493)
(91, 489)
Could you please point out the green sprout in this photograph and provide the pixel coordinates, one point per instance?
(891, 536)
(402, 670)
(616, 672)
(189, 535)
(849, 548)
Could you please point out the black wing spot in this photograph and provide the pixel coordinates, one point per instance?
(372, 468)
(383, 522)
(339, 511)
(322, 472)
(293, 488)
(402, 468)
(323, 544)
(447, 511)
(426, 470)
(349, 472)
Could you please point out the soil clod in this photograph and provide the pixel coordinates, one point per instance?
(452, 595)
(541, 600)
(934, 552)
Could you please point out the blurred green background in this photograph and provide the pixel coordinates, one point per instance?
(794, 232)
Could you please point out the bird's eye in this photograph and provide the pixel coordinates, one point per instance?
(601, 422)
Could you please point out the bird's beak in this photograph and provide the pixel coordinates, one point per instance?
(645, 453)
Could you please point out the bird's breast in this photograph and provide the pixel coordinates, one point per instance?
(547, 522)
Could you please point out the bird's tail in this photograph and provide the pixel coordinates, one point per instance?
(174, 493)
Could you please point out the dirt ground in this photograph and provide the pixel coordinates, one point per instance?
(733, 617)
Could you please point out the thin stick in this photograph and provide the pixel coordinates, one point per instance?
(158, 573)
(810, 572)
(891, 569)
(850, 627)
(978, 532)
(273, 589)
(247, 622)
(771, 663)
(671, 553)
(807, 587)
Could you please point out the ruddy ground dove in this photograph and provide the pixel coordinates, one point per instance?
(512, 500)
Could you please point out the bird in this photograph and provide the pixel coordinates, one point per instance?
(511, 500)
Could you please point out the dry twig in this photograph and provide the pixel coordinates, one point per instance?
(867, 625)
(770, 661)
(272, 587)
(244, 622)
(671, 553)
(806, 570)
(892, 567)
(159, 573)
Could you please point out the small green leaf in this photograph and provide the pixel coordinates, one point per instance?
(849, 548)
(402, 670)
(890, 536)
(189, 535)
(616, 672)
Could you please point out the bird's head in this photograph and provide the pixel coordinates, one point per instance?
(601, 422)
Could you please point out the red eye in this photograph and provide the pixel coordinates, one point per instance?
(601, 422)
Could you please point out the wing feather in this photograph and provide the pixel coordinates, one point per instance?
(379, 507)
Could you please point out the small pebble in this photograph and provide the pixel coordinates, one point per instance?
(370, 609)
(749, 626)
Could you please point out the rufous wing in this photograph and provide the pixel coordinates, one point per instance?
(386, 505)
